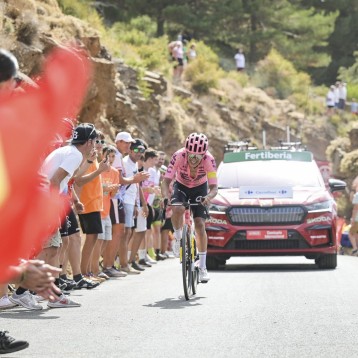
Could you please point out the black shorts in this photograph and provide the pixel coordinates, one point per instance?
(182, 193)
(91, 223)
(167, 225)
(116, 212)
(180, 62)
(69, 225)
(150, 217)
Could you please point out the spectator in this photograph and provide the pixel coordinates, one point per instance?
(342, 96)
(240, 60)
(336, 94)
(353, 232)
(192, 53)
(354, 106)
(330, 100)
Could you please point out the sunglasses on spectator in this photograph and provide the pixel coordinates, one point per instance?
(100, 141)
(195, 156)
(138, 150)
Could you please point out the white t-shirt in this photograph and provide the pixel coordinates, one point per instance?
(68, 158)
(131, 191)
(150, 182)
(240, 60)
(330, 99)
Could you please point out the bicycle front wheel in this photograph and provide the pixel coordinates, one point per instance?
(185, 255)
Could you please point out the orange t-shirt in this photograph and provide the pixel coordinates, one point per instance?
(91, 194)
(108, 178)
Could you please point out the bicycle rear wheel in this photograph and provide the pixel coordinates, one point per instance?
(185, 256)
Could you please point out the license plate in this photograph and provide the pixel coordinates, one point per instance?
(266, 234)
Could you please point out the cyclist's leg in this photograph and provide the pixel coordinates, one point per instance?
(178, 196)
(200, 215)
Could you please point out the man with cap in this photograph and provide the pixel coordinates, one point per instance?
(123, 142)
(59, 166)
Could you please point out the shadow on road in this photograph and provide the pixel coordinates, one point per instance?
(16, 313)
(176, 303)
(269, 268)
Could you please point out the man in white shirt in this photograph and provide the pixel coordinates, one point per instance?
(240, 60)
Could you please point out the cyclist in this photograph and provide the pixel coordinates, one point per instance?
(193, 168)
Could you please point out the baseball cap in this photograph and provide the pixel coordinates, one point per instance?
(163, 168)
(125, 136)
(83, 132)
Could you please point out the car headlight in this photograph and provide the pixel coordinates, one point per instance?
(215, 207)
(321, 206)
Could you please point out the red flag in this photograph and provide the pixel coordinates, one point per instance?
(28, 124)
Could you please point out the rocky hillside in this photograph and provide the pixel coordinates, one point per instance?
(31, 28)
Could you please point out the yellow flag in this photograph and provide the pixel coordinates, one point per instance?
(4, 181)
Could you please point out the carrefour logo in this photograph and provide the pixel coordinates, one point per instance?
(318, 219)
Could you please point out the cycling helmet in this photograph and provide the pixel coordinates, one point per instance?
(8, 65)
(196, 143)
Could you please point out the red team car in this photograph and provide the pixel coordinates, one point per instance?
(272, 202)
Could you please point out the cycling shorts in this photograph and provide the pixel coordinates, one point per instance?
(182, 193)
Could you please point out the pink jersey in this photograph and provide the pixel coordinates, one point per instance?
(179, 168)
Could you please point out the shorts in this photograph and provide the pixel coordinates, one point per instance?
(167, 225)
(140, 222)
(157, 217)
(91, 223)
(116, 212)
(180, 62)
(182, 193)
(128, 215)
(53, 241)
(69, 225)
(107, 229)
(150, 217)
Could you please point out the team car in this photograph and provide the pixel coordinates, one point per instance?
(272, 203)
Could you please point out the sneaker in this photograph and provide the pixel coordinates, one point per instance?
(63, 302)
(176, 248)
(103, 275)
(130, 270)
(26, 300)
(86, 283)
(203, 275)
(6, 303)
(95, 278)
(9, 344)
(137, 266)
(112, 272)
(66, 285)
(160, 257)
(170, 254)
(144, 263)
(38, 298)
(150, 260)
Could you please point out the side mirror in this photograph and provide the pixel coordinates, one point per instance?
(336, 185)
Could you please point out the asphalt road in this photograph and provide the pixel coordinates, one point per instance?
(257, 307)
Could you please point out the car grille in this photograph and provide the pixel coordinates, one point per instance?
(272, 215)
(267, 244)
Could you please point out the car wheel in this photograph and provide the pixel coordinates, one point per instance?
(328, 261)
(212, 263)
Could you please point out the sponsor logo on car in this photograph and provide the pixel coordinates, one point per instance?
(319, 219)
(216, 221)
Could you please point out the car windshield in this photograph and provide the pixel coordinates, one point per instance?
(269, 173)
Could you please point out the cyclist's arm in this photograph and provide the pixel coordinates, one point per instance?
(213, 190)
(165, 188)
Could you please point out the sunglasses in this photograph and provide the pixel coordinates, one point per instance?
(195, 156)
(100, 141)
(138, 150)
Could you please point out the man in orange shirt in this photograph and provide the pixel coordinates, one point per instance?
(90, 192)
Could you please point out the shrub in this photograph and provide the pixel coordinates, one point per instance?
(275, 71)
(349, 163)
(27, 32)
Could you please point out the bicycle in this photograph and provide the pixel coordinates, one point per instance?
(188, 251)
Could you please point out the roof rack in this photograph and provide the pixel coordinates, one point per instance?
(238, 146)
(296, 146)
